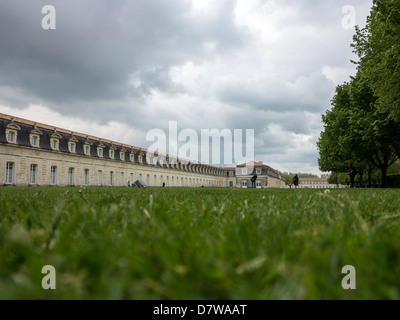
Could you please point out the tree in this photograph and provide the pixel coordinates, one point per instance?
(357, 131)
(339, 178)
(373, 125)
(339, 144)
(378, 47)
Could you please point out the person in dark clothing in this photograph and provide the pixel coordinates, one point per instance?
(352, 173)
(296, 181)
(253, 181)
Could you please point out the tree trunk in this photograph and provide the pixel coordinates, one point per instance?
(361, 173)
(369, 169)
(384, 170)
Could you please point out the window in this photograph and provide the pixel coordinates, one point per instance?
(112, 154)
(34, 136)
(86, 146)
(71, 147)
(11, 131)
(71, 176)
(9, 172)
(35, 141)
(244, 184)
(122, 155)
(258, 184)
(33, 174)
(131, 157)
(244, 171)
(54, 144)
(55, 140)
(111, 178)
(11, 136)
(122, 179)
(53, 172)
(140, 176)
(100, 152)
(99, 178)
(86, 177)
(131, 178)
(72, 144)
(231, 184)
(258, 171)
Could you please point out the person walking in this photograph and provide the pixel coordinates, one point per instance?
(253, 181)
(296, 181)
(352, 173)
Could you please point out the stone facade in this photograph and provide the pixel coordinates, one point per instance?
(33, 154)
(267, 177)
(318, 183)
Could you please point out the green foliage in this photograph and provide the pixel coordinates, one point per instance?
(378, 46)
(394, 181)
(357, 131)
(364, 124)
(339, 178)
(127, 243)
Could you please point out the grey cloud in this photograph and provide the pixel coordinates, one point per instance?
(99, 44)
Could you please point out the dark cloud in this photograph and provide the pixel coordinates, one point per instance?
(98, 44)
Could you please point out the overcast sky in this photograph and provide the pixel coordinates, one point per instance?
(117, 69)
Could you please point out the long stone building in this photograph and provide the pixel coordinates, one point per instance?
(35, 154)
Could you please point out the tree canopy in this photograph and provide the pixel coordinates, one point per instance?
(363, 125)
(378, 47)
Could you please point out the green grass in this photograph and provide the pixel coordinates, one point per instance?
(128, 243)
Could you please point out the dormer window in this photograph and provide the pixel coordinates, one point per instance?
(72, 144)
(35, 141)
(54, 144)
(131, 156)
(55, 140)
(72, 147)
(86, 147)
(111, 151)
(12, 132)
(122, 154)
(34, 136)
(11, 136)
(100, 149)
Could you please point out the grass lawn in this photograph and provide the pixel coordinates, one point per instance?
(128, 243)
